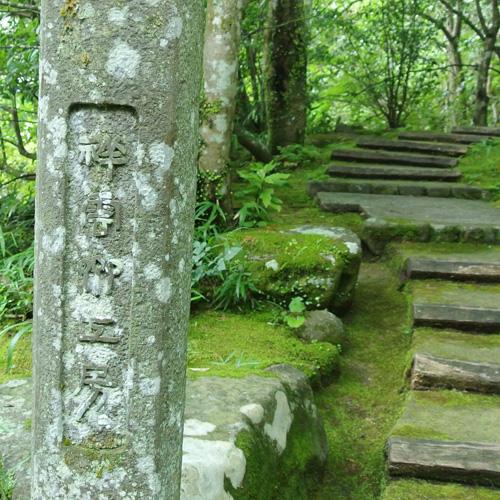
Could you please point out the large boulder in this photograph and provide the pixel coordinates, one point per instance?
(243, 438)
(318, 264)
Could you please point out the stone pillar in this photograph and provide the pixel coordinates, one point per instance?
(115, 193)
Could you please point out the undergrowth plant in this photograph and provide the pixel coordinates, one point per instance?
(258, 196)
(7, 482)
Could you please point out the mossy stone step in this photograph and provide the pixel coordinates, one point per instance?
(367, 171)
(415, 489)
(475, 220)
(431, 372)
(447, 436)
(432, 148)
(397, 187)
(455, 316)
(455, 360)
(456, 305)
(393, 158)
(441, 137)
(475, 463)
(451, 269)
(482, 131)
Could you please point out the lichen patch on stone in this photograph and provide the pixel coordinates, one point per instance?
(123, 61)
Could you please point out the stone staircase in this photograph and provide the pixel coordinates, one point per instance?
(413, 180)
(450, 427)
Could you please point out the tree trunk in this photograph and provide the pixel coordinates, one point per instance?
(285, 69)
(455, 85)
(222, 42)
(483, 72)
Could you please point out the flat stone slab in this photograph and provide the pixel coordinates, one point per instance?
(432, 148)
(218, 411)
(397, 187)
(433, 211)
(367, 171)
(441, 137)
(463, 462)
(455, 316)
(394, 158)
(431, 372)
(451, 269)
(447, 436)
(482, 131)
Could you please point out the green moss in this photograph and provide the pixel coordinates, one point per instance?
(455, 416)
(480, 167)
(289, 476)
(455, 293)
(425, 490)
(362, 406)
(99, 461)
(69, 8)
(397, 253)
(22, 359)
(237, 345)
(7, 482)
(320, 270)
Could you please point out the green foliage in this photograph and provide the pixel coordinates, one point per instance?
(295, 316)
(258, 196)
(297, 155)
(7, 482)
(237, 289)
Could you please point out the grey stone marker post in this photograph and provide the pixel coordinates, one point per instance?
(116, 188)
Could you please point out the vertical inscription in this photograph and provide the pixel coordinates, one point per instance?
(101, 196)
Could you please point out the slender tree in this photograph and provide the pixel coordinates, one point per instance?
(222, 44)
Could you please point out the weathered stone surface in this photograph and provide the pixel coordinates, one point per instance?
(362, 171)
(465, 214)
(433, 148)
(322, 326)
(474, 463)
(441, 137)
(15, 432)
(393, 158)
(456, 316)
(220, 412)
(447, 435)
(118, 140)
(397, 187)
(435, 372)
(482, 131)
(318, 264)
(460, 270)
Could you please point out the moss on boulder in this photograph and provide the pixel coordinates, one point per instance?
(318, 264)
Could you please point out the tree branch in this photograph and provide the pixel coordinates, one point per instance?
(17, 130)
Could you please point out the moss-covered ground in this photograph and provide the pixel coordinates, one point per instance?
(425, 490)
(480, 167)
(360, 409)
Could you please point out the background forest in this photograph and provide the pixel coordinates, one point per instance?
(304, 68)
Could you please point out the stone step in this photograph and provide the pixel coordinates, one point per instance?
(363, 171)
(459, 270)
(452, 359)
(477, 220)
(441, 137)
(393, 158)
(456, 316)
(482, 131)
(464, 306)
(432, 148)
(397, 187)
(447, 436)
(474, 463)
(432, 372)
